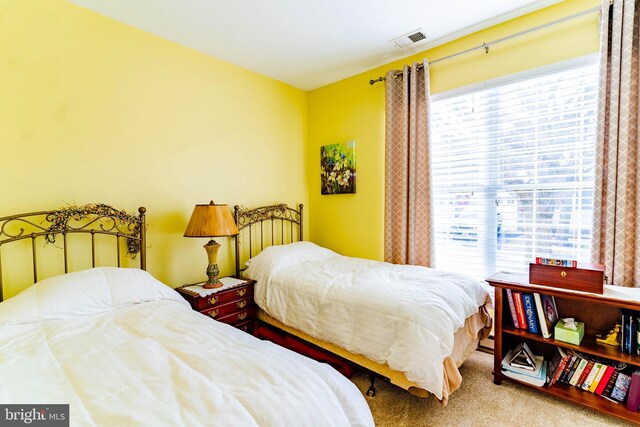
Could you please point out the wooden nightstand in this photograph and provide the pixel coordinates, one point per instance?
(233, 306)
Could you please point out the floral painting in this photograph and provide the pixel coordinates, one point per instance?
(338, 168)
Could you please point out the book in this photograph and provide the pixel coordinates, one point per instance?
(530, 313)
(544, 329)
(629, 341)
(578, 372)
(626, 333)
(570, 360)
(596, 381)
(585, 373)
(550, 311)
(538, 382)
(517, 300)
(570, 369)
(612, 381)
(512, 309)
(522, 357)
(547, 313)
(553, 364)
(592, 376)
(633, 333)
(560, 369)
(633, 397)
(558, 262)
(621, 387)
(604, 380)
(623, 331)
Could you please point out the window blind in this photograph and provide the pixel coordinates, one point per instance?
(513, 169)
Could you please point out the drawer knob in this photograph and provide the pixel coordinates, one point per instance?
(213, 313)
(241, 292)
(241, 316)
(242, 304)
(213, 300)
(563, 274)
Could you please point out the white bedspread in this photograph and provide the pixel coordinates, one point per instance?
(125, 351)
(405, 316)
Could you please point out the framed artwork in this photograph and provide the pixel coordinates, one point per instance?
(338, 168)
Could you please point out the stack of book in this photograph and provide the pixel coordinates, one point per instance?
(522, 365)
(557, 262)
(533, 312)
(594, 376)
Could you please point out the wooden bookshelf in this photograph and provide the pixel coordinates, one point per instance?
(598, 312)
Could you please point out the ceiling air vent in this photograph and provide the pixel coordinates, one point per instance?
(409, 39)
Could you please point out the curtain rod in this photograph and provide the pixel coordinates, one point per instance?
(485, 46)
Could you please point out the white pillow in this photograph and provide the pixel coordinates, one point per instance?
(84, 293)
(275, 258)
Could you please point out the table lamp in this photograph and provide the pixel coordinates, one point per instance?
(211, 221)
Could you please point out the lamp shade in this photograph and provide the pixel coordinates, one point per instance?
(211, 221)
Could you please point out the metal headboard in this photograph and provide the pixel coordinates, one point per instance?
(88, 219)
(265, 220)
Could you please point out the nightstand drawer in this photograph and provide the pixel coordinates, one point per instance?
(222, 310)
(233, 305)
(203, 303)
(238, 317)
(246, 326)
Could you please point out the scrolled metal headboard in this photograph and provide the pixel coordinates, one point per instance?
(248, 219)
(88, 219)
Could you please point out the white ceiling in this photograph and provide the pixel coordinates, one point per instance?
(309, 43)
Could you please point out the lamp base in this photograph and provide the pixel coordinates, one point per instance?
(212, 269)
(208, 285)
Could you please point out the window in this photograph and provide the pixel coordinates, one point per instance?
(513, 167)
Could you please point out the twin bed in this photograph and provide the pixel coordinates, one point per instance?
(122, 348)
(412, 325)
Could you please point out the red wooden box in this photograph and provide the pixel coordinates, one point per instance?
(585, 278)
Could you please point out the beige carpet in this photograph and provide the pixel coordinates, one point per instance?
(478, 402)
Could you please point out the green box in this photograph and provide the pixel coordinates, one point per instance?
(562, 333)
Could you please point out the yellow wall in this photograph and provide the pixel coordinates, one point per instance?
(92, 110)
(350, 109)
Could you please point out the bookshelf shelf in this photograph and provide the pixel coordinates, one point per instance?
(585, 398)
(599, 313)
(588, 345)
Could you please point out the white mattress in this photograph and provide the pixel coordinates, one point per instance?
(405, 316)
(123, 349)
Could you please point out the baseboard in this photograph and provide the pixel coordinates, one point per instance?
(486, 345)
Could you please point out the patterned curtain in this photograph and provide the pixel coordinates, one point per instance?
(616, 228)
(408, 236)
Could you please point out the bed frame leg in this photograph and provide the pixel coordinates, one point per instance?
(372, 387)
